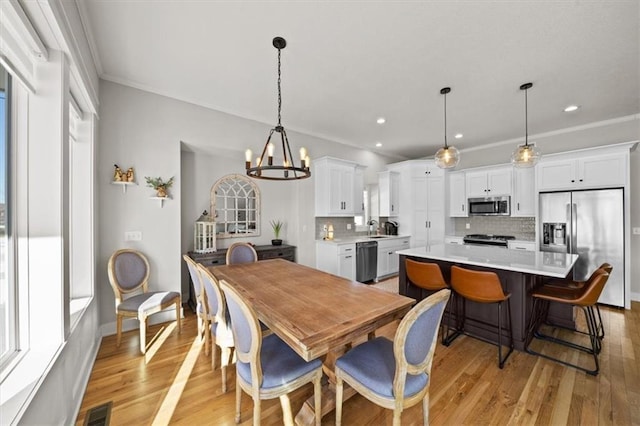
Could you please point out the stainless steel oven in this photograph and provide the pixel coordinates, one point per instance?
(490, 206)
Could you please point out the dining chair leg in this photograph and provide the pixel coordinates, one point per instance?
(425, 409)
(213, 352)
(287, 417)
(178, 315)
(225, 354)
(207, 339)
(317, 394)
(143, 333)
(256, 411)
(118, 330)
(397, 413)
(238, 399)
(339, 387)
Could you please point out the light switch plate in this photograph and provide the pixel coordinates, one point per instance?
(348, 226)
(133, 236)
(468, 226)
(636, 231)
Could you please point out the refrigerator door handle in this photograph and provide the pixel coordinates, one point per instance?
(568, 239)
(574, 228)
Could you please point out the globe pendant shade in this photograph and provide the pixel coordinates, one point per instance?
(447, 158)
(525, 156)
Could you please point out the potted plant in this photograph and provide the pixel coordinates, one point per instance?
(159, 185)
(277, 227)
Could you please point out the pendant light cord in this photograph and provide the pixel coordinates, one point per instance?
(526, 119)
(279, 89)
(445, 122)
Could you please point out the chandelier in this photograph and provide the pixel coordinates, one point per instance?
(265, 168)
(447, 157)
(525, 155)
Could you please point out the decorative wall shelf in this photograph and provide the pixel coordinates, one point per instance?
(123, 185)
(161, 199)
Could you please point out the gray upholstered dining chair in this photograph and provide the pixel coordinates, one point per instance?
(202, 313)
(241, 253)
(220, 331)
(395, 375)
(267, 367)
(128, 271)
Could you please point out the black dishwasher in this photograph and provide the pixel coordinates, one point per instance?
(366, 261)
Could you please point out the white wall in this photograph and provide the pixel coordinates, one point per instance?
(146, 131)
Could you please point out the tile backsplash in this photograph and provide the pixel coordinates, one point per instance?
(523, 228)
(340, 227)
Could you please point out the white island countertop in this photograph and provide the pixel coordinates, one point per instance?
(546, 264)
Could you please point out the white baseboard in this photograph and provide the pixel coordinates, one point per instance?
(129, 324)
(635, 296)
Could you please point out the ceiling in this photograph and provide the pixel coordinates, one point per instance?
(348, 63)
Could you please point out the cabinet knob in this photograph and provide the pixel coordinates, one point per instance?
(573, 180)
(580, 180)
(463, 207)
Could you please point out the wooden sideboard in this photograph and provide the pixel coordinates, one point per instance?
(219, 258)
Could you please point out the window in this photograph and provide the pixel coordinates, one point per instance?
(7, 281)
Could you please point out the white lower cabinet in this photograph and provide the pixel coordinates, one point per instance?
(387, 256)
(337, 259)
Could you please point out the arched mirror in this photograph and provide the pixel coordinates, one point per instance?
(235, 201)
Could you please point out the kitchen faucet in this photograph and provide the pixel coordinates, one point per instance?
(370, 223)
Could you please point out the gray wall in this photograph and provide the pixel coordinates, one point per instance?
(159, 136)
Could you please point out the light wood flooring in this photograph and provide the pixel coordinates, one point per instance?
(174, 384)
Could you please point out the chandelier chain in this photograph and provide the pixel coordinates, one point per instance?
(279, 89)
(526, 118)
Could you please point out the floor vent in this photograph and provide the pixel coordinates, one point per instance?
(99, 416)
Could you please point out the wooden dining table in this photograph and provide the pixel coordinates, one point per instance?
(316, 313)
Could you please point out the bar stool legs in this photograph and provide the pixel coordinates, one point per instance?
(460, 319)
(540, 311)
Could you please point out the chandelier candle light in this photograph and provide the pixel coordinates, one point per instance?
(525, 155)
(447, 157)
(265, 168)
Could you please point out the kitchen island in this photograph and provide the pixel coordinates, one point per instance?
(519, 271)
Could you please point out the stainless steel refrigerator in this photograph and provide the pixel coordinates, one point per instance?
(591, 225)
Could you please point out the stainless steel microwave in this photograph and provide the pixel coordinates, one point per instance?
(490, 206)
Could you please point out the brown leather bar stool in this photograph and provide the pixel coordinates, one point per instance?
(584, 298)
(428, 276)
(481, 287)
(573, 286)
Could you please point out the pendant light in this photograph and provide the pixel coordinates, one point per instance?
(525, 155)
(447, 157)
(265, 167)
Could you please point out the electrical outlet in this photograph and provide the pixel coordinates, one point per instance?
(133, 236)
(348, 226)
(468, 226)
(636, 231)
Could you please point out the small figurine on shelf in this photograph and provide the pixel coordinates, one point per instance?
(117, 174)
(159, 185)
(130, 176)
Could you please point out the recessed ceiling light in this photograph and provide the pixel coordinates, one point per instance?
(378, 144)
(458, 135)
(380, 120)
(571, 108)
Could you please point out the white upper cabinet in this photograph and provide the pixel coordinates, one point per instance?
(335, 193)
(358, 191)
(584, 170)
(489, 183)
(457, 194)
(524, 195)
(389, 187)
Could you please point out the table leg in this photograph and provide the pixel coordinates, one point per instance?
(306, 415)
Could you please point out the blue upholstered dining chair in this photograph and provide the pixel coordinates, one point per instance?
(220, 331)
(128, 271)
(204, 319)
(395, 375)
(241, 253)
(267, 367)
